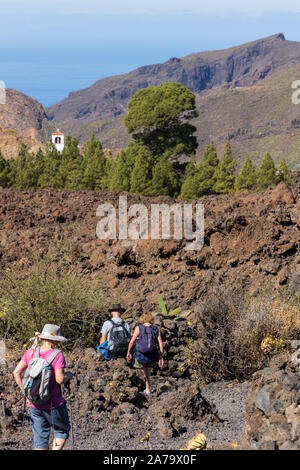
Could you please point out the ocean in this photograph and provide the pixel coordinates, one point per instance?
(49, 57)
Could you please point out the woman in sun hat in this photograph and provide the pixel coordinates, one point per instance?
(53, 413)
(146, 358)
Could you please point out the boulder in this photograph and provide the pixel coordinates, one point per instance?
(273, 406)
(282, 193)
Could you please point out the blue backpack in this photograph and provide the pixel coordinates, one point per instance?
(147, 347)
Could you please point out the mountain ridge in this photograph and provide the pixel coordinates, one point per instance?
(243, 95)
(108, 97)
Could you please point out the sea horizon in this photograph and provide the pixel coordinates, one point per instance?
(49, 68)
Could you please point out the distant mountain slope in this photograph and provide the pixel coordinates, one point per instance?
(22, 113)
(243, 95)
(256, 119)
(10, 143)
(21, 121)
(242, 65)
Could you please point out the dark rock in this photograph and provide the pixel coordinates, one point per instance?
(266, 445)
(273, 406)
(295, 344)
(288, 445)
(262, 401)
(295, 283)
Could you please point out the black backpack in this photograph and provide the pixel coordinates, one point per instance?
(119, 339)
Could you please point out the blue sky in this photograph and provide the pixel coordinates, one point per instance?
(50, 48)
(151, 6)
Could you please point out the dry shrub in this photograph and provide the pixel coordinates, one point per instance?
(236, 337)
(209, 356)
(261, 319)
(46, 291)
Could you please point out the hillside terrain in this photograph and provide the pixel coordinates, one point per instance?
(21, 113)
(251, 241)
(233, 350)
(243, 94)
(251, 245)
(239, 66)
(11, 141)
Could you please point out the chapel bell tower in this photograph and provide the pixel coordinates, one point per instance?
(58, 139)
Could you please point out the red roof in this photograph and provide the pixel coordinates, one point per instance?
(58, 133)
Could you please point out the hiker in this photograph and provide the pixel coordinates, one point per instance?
(115, 334)
(149, 348)
(51, 413)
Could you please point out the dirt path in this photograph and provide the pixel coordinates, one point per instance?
(228, 398)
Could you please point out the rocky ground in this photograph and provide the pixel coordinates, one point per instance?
(251, 240)
(110, 412)
(224, 432)
(273, 406)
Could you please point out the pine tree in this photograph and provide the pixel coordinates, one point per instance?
(205, 176)
(71, 149)
(191, 167)
(26, 169)
(93, 164)
(246, 180)
(284, 173)
(4, 172)
(51, 177)
(188, 190)
(108, 175)
(71, 165)
(90, 147)
(266, 175)
(140, 180)
(225, 173)
(74, 177)
(121, 176)
(165, 181)
(159, 116)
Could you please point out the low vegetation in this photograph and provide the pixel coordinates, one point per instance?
(159, 122)
(236, 336)
(44, 289)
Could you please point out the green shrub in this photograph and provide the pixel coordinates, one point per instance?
(32, 294)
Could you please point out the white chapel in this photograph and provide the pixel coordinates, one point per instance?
(58, 139)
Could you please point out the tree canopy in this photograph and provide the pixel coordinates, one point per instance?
(158, 118)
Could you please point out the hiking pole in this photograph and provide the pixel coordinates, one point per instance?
(68, 387)
(3, 421)
(24, 417)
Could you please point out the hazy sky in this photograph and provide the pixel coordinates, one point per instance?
(51, 47)
(150, 6)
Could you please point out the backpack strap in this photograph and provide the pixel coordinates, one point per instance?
(122, 326)
(154, 330)
(52, 356)
(141, 328)
(37, 352)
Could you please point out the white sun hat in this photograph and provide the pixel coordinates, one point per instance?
(52, 333)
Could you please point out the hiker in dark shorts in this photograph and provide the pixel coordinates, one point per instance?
(53, 413)
(149, 348)
(115, 333)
